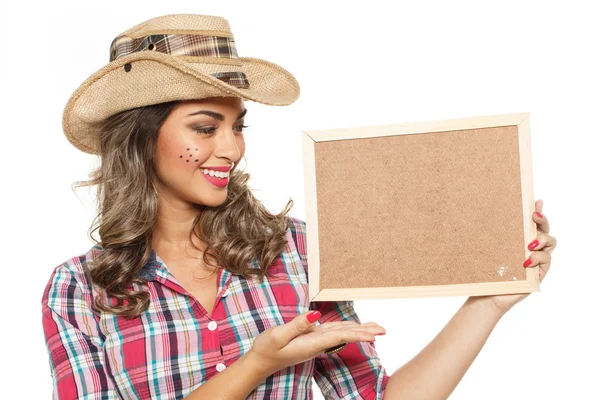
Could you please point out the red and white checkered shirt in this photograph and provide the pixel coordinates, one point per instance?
(175, 346)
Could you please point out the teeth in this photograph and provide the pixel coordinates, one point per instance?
(218, 174)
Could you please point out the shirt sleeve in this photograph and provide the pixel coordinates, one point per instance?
(72, 339)
(355, 372)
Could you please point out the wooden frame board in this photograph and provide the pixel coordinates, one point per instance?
(420, 209)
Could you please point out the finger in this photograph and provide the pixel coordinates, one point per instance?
(541, 259)
(543, 242)
(374, 329)
(541, 222)
(298, 326)
(338, 336)
(370, 327)
(339, 325)
(331, 324)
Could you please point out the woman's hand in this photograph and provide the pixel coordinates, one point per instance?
(299, 340)
(540, 256)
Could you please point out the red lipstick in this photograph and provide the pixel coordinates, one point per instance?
(218, 182)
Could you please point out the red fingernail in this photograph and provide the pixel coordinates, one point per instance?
(538, 214)
(527, 263)
(533, 244)
(313, 316)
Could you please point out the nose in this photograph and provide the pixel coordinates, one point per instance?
(226, 146)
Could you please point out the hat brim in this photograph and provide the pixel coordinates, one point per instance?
(156, 78)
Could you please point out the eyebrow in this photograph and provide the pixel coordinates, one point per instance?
(217, 115)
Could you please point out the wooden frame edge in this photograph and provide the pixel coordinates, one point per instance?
(408, 128)
(526, 167)
(312, 227)
(467, 289)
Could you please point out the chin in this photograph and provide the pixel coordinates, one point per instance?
(212, 201)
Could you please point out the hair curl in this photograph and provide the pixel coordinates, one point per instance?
(236, 232)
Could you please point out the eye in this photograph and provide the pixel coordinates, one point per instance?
(241, 127)
(200, 129)
(210, 130)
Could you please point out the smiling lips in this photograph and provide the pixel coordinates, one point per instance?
(221, 169)
(218, 176)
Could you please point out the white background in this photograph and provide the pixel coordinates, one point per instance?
(358, 64)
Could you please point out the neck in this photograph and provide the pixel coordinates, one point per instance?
(171, 231)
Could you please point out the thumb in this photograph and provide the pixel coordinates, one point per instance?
(300, 324)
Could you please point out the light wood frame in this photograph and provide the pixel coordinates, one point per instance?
(312, 138)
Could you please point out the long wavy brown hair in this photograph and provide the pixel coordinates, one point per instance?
(236, 232)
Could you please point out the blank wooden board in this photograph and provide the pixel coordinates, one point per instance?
(420, 209)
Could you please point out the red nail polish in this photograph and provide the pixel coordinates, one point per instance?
(527, 263)
(533, 244)
(313, 316)
(538, 214)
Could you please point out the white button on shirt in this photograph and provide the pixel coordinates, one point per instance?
(212, 325)
(220, 367)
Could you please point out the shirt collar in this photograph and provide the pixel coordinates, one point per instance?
(148, 272)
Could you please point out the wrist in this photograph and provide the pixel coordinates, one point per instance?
(258, 363)
(488, 305)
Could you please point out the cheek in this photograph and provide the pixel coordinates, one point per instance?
(179, 155)
(190, 155)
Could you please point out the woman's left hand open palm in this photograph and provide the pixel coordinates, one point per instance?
(542, 246)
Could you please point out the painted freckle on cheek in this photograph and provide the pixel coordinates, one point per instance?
(181, 156)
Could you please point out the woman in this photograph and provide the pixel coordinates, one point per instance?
(195, 290)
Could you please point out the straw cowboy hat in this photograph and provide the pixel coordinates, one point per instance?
(171, 57)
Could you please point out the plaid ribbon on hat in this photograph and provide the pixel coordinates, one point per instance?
(183, 45)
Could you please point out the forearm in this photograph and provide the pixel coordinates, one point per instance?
(436, 371)
(235, 382)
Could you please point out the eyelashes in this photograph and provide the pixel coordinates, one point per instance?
(203, 130)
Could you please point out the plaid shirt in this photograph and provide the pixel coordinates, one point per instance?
(174, 346)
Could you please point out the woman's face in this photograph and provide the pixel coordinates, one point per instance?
(199, 134)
